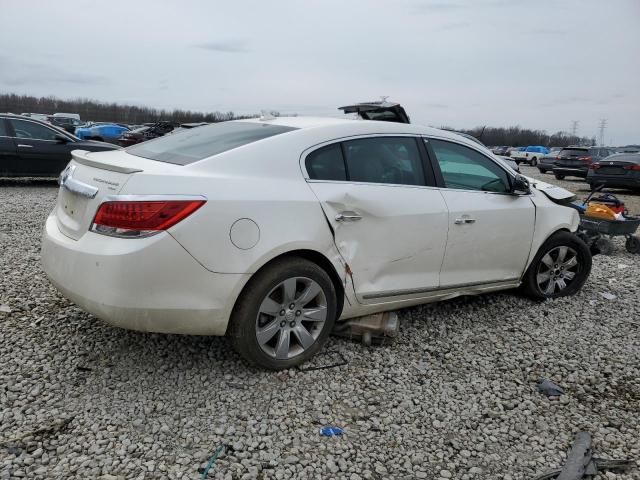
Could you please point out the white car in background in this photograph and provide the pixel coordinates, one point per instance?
(270, 231)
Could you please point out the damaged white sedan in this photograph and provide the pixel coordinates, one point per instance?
(272, 230)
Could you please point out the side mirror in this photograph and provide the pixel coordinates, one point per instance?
(61, 139)
(520, 185)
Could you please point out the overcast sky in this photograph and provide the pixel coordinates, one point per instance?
(463, 63)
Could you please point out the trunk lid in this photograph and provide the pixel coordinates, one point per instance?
(89, 178)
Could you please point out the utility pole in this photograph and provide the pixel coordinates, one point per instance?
(574, 128)
(602, 127)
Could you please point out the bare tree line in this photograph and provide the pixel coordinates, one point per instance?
(132, 114)
(106, 112)
(521, 137)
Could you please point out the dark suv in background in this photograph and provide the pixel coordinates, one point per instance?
(575, 161)
(31, 148)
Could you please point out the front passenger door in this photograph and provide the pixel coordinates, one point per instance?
(490, 230)
(39, 152)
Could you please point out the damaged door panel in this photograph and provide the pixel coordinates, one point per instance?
(392, 237)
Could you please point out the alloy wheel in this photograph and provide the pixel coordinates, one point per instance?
(557, 270)
(291, 318)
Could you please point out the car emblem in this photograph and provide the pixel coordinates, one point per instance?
(66, 174)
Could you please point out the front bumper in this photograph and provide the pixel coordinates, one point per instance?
(148, 284)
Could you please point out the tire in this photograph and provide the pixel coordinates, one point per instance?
(559, 176)
(534, 162)
(542, 170)
(548, 272)
(632, 244)
(276, 289)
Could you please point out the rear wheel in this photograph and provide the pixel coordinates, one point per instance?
(284, 315)
(560, 268)
(559, 176)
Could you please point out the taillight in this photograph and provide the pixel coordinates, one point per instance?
(141, 218)
(635, 168)
(594, 166)
(585, 159)
(558, 157)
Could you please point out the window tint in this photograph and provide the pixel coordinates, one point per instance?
(467, 169)
(326, 163)
(194, 144)
(394, 160)
(3, 129)
(31, 130)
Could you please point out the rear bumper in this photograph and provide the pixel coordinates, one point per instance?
(149, 284)
(615, 181)
(574, 172)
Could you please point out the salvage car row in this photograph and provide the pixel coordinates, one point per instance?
(598, 166)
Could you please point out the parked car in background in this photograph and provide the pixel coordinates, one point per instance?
(67, 123)
(43, 117)
(512, 150)
(575, 161)
(75, 116)
(285, 207)
(145, 133)
(621, 170)
(547, 161)
(530, 154)
(501, 151)
(32, 148)
(102, 131)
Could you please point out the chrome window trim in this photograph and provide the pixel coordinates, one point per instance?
(426, 139)
(309, 150)
(40, 124)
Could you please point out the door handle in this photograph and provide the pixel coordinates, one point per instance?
(462, 221)
(348, 217)
(21, 145)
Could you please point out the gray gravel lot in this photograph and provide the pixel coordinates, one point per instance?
(454, 397)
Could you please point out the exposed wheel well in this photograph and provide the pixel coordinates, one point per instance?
(324, 263)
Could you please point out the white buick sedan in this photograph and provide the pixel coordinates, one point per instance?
(270, 231)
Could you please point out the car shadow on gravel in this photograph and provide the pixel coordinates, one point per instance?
(28, 182)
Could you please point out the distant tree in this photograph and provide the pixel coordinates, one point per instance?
(106, 112)
(521, 137)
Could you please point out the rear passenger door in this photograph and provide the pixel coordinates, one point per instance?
(490, 229)
(389, 222)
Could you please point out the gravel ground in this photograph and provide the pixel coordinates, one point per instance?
(454, 397)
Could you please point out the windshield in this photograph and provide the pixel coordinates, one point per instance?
(194, 144)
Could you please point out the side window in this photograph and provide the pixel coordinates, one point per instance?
(3, 128)
(326, 163)
(31, 130)
(466, 169)
(394, 160)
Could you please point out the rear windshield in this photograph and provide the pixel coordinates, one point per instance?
(574, 151)
(194, 144)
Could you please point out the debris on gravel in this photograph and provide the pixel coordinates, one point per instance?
(454, 397)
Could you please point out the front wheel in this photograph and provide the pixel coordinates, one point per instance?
(632, 244)
(284, 315)
(560, 268)
(559, 176)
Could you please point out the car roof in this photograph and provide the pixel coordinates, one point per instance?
(348, 126)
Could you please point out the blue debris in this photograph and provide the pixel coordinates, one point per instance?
(330, 431)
